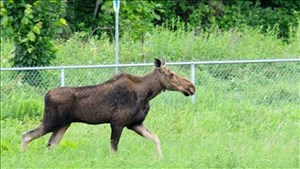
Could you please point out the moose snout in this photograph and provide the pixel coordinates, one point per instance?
(190, 90)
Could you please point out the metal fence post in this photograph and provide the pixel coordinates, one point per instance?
(193, 78)
(116, 8)
(62, 77)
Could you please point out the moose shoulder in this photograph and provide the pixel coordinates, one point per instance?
(122, 101)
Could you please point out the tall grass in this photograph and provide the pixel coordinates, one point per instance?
(180, 45)
(244, 116)
(211, 133)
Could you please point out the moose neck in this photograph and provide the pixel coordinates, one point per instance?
(150, 86)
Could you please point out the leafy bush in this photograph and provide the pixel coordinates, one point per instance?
(235, 14)
(138, 17)
(32, 26)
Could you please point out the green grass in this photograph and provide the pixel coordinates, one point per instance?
(211, 133)
(244, 116)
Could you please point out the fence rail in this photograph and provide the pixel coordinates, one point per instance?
(273, 81)
(151, 64)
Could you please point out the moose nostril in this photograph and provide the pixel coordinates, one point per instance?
(192, 90)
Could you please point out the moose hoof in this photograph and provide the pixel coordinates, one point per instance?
(24, 141)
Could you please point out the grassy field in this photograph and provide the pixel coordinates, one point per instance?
(244, 115)
(211, 133)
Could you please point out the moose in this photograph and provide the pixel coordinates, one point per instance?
(122, 101)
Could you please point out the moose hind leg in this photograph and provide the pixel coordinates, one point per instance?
(32, 135)
(143, 131)
(57, 135)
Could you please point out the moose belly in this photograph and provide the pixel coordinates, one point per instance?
(92, 113)
(93, 117)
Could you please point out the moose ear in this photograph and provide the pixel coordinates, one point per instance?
(157, 62)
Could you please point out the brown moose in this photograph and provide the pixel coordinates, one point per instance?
(122, 101)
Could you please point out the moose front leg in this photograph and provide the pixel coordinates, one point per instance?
(143, 131)
(116, 132)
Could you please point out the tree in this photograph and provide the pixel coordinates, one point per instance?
(33, 25)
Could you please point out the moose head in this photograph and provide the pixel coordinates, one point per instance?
(171, 81)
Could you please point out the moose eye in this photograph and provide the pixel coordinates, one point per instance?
(171, 75)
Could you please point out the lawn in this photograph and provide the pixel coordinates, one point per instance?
(219, 130)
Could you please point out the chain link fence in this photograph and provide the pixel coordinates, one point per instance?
(264, 82)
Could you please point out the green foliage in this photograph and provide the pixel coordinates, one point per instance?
(138, 17)
(135, 18)
(32, 25)
(234, 14)
(79, 15)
